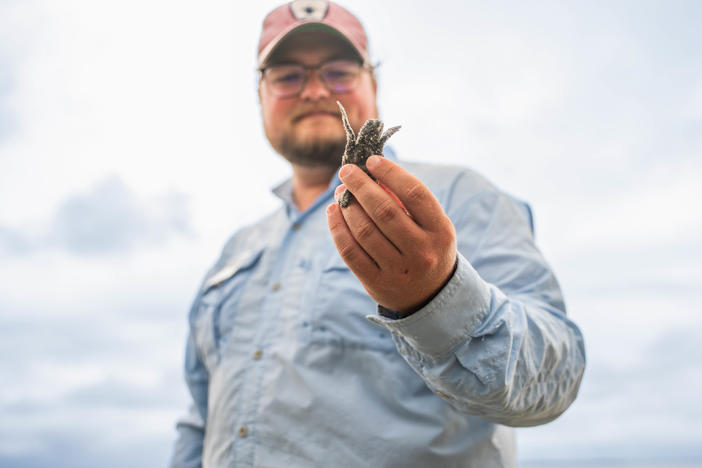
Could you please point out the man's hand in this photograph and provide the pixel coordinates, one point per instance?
(403, 256)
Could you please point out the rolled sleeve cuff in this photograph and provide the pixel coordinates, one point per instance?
(449, 319)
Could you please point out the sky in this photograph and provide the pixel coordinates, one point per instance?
(131, 148)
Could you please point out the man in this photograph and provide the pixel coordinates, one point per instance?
(410, 328)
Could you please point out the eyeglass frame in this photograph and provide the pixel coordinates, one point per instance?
(363, 65)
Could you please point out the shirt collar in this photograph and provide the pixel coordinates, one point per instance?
(284, 191)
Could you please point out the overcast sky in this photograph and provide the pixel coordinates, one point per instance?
(131, 148)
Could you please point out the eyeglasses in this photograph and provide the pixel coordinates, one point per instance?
(288, 80)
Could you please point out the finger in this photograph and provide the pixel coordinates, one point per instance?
(351, 252)
(382, 209)
(394, 197)
(416, 197)
(339, 190)
(369, 237)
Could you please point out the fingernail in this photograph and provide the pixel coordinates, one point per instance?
(373, 162)
(346, 170)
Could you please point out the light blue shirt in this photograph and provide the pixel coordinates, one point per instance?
(290, 365)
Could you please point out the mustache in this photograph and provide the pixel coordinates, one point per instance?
(308, 109)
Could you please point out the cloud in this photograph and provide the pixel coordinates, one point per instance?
(13, 241)
(108, 218)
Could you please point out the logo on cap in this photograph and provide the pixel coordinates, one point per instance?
(309, 10)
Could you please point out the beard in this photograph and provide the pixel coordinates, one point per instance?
(314, 153)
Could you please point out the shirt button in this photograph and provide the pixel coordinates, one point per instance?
(296, 227)
(276, 286)
(257, 354)
(243, 431)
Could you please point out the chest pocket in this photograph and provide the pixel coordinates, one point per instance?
(216, 310)
(340, 308)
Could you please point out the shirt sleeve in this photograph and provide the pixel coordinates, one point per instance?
(496, 341)
(187, 452)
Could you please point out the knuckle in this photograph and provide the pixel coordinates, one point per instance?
(446, 230)
(348, 252)
(427, 261)
(365, 231)
(416, 193)
(451, 234)
(336, 226)
(386, 211)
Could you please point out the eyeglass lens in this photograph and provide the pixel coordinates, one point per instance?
(339, 76)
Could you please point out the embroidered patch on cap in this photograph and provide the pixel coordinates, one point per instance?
(309, 9)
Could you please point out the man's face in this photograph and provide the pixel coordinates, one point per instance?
(306, 129)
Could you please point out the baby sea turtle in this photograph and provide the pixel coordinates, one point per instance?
(370, 141)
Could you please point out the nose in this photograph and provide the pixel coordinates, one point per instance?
(314, 88)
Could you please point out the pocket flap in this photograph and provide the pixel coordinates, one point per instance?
(239, 262)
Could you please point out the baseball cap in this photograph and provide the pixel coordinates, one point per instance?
(304, 14)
